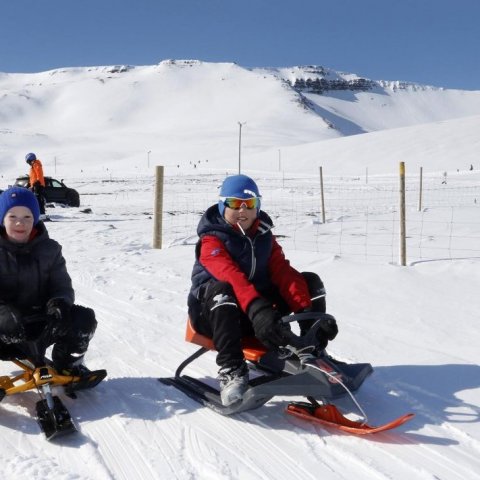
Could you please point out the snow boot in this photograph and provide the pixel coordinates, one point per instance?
(233, 383)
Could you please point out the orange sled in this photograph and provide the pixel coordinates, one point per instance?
(276, 374)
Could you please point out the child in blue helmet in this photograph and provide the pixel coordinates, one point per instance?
(242, 283)
(36, 294)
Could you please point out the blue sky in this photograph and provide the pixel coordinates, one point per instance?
(432, 42)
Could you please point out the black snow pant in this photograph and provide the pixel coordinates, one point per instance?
(19, 334)
(220, 318)
(39, 191)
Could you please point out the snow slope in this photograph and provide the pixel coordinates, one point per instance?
(187, 112)
(417, 325)
(448, 145)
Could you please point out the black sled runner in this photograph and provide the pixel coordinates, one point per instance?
(287, 373)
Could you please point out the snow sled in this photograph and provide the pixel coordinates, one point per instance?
(286, 373)
(52, 416)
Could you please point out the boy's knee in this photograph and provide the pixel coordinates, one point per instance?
(214, 288)
(83, 319)
(314, 282)
(12, 329)
(316, 290)
(220, 294)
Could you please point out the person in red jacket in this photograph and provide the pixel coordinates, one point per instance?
(242, 284)
(37, 181)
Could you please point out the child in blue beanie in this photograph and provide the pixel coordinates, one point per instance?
(19, 213)
(36, 294)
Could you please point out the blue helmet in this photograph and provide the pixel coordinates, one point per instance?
(238, 186)
(30, 157)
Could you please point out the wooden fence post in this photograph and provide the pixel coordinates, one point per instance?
(158, 208)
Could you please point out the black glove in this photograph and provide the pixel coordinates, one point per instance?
(59, 311)
(327, 330)
(306, 324)
(267, 324)
(12, 329)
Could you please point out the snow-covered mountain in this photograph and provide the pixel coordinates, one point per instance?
(352, 104)
(187, 112)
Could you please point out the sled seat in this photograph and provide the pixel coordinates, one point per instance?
(253, 349)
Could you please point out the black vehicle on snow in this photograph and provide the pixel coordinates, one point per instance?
(55, 191)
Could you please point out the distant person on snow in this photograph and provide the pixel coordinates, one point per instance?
(36, 181)
(242, 284)
(36, 295)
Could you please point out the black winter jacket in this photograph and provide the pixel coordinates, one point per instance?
(32, 273)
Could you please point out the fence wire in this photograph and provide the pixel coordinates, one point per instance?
(361, 215)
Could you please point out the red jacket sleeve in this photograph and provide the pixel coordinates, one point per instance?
(218, 262)
(291, 283)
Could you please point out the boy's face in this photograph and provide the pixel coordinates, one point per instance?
(243, 216)
(18, 224)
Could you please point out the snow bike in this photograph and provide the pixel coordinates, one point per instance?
(37, 373)
(293, 371)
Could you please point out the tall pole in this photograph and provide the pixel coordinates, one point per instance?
(240, 146)
(322, 195)
(148, 158)
(403, 240)
(420, 190)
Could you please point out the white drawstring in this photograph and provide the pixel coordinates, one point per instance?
(240, 227)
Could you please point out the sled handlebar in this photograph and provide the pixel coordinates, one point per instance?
(296, 317)
(311, 337)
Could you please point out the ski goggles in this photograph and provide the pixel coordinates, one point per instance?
(238, 203)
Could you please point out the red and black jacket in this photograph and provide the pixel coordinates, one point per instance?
(251, 264)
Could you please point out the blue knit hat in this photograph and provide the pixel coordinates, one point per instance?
(19, 197)
(238, 186)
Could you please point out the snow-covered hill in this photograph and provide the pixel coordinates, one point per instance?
(187, 112)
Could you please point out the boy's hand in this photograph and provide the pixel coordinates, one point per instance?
(329, 327)
(267, 324)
